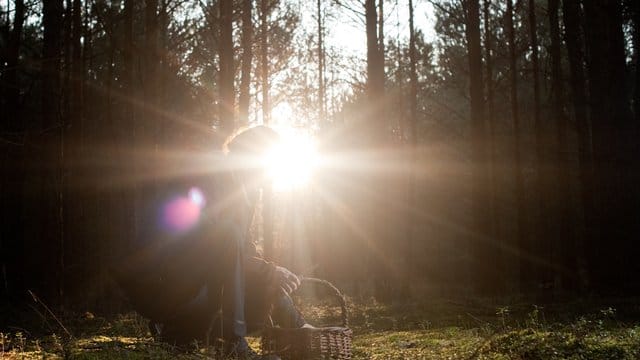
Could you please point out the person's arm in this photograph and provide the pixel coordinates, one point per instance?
(277, 275)
(254, 263)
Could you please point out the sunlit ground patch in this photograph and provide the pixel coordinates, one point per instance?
(417, 344)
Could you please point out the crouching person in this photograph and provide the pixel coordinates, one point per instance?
(201, 278)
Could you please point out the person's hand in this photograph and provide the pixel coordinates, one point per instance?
(285, 279)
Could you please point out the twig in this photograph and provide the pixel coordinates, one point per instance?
(44, 318)
(478, 320)
(37, 300)
(448, 11)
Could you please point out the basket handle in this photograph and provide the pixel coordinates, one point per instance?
(335, 292)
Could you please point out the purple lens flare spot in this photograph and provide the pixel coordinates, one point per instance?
(180, 214)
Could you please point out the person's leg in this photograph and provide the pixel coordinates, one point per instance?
(286, 314)
(230, 326)
(209, 262)
(189, 323)
(260, 300)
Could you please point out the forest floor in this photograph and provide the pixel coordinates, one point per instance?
(434, 330)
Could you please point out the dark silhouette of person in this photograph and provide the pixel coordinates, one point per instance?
(198, 276)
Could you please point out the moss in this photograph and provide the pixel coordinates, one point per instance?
(416, 331)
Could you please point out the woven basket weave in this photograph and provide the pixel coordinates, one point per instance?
(333, 342)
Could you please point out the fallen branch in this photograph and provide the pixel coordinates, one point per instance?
(38, 301)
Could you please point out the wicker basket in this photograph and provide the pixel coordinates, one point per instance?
(332, 342)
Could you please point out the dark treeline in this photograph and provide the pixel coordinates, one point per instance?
(494, 158)
(566, 78)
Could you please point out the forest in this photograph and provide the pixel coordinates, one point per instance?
(476, 152)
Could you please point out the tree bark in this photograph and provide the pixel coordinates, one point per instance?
(566, 268)
(413, 144)
(11, 78)
(636, 50)
(530, 275)
(73, 209)
(381, 47)
(227, 94)
(374, 139)
(375, 71)
(247, 60)
(267, 192)
(12, 173)
(574, 42)
(77, 70)
(321, 85)
(481, 245)
(51, 238)
(67, 72)
(373, 49)
(635, 133)
(493, 167)
(612, 142)
(264, 61)
(149, 128)
(521, 240)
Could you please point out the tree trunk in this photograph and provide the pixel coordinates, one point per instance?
(374, 67)
(264, 61)
(73, 209)
(566, 267)
(374, 138)
(636, 51)
(77, 70)
(612, 129)
(635, 134)
(247, 60)
(227, 94)
(530, 275)
(88, 249)
(381, 49)
(51, 237)
(321, 85)
(11, 78)
(375, 74)
(515, 113)
(372, 44)
(149, 130)
(109, 206)
(13, 172)
(596, 38)
(129, 118)
(574, 43)
(481, 246)
(66, 61)
(267, 192)
(413, 144)
(494, 202)
(163, 75)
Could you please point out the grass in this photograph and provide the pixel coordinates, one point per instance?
(436, 330)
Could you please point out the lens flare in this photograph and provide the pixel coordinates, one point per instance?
(182, 213)
(197, 197)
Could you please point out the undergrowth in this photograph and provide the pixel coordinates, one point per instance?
(442, 330)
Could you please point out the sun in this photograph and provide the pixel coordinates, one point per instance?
(292, 162)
